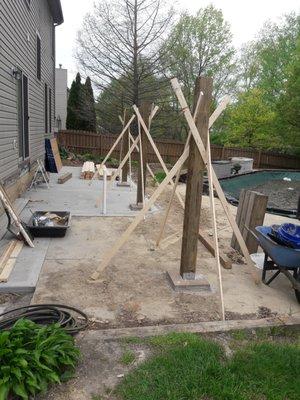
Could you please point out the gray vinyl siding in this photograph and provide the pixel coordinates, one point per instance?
(18, 28)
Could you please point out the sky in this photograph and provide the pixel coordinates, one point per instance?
(245, 18)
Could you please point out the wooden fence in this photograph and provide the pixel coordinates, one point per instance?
(82, 142)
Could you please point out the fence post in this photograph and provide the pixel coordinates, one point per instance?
(223, 153)
(259, 158)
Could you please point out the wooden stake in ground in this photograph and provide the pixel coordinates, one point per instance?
(145, 108)
(194, 184)
(214, 221)
(195, 133)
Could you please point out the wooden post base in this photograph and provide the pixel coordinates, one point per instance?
(198, 283)
(136, 206)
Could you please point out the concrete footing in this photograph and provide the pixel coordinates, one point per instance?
(198, 284)
(136, 206)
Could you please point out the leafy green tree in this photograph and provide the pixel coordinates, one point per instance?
(74, 104)
(289, 105)
(265, 61)
(201, 45)
(250, 123)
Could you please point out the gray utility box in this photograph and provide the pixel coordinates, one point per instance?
(245, 163)
(222, 168)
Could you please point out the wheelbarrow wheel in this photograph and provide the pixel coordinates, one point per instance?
(297, 277)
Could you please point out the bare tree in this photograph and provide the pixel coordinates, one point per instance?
(118, 46)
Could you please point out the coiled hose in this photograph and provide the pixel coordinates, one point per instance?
(46, 314)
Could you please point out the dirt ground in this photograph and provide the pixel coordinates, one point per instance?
(133, 290)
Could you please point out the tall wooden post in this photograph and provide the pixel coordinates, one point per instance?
(145, 110)
(194, 185)
(124, 151)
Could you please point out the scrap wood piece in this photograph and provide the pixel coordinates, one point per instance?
(5, 273)
(140, 216)
(7, 253)
(64, 178)
(220, 193)
(208, 243)
(8, 259)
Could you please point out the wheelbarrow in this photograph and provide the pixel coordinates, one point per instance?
(279, 258)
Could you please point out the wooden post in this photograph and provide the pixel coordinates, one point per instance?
(298, 209)
(251, 213)
(146, 109)
(194, 185)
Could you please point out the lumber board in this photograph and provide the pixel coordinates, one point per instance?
(9, 266)
(56, 154)
(215, 229)
(64, 178)
(220, 193)
(197, 327)
(7, 253)
(208, 243)
(17, 249)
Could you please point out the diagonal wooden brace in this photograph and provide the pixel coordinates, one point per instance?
(177, 89)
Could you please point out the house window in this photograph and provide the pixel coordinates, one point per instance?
(50, 110)
(46, 107)
(38, 58)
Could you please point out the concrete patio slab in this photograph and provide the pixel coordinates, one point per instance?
(81, 197)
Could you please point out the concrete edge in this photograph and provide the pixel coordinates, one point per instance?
(200, 327)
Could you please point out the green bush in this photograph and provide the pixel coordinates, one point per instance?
(160, 176)
(32, 357)
(63, 153)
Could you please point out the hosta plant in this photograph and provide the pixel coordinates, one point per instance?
(32, 357)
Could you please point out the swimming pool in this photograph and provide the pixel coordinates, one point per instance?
(282, 187)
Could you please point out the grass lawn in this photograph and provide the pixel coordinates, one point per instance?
(187, 367)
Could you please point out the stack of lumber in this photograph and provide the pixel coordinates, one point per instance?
(8, 259)
(88, 170)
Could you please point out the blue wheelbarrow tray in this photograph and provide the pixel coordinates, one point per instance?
(281, 255)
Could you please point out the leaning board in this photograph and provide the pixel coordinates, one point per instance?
(53, 160)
